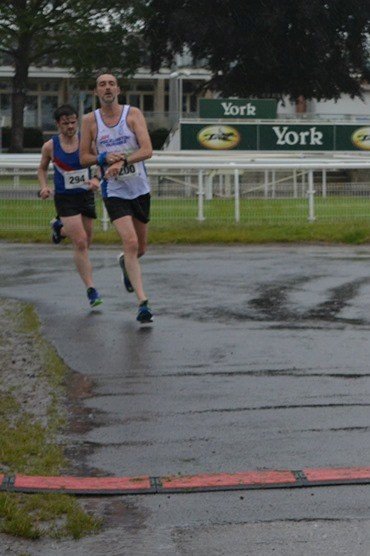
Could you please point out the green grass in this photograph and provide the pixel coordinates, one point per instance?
(28, 446)
(339, 219)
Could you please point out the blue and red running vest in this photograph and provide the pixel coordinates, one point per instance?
(66, 162)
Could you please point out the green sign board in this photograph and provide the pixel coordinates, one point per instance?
(281, 136)
(218, 137)
(352, 138)
(237, 108)
(285, 137)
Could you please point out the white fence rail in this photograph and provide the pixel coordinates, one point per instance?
(223, 187)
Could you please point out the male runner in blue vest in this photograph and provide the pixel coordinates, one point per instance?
(120, 135)
(73, 192)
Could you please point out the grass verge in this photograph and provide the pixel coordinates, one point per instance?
(346, 232)
(340, 219)
(28, 438)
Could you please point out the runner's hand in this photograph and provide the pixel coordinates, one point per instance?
(93, 184)
(114, 169)
(112, 158)
(45, 192)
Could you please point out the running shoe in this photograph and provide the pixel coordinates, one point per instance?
(125, 278)
(94, 297)
(144, 314)
(56, 226)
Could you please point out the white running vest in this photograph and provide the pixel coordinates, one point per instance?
(132, 180)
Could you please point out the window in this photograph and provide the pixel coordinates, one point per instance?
(30, 112)
(144, 101)
(144, 87)
(5, 86)
(5, 110)
(134, 99)
(87, 101)
(33, 86)
(148, 103)
(50, 86)
(48, 105)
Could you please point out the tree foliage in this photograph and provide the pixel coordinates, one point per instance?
(82, 35)
(318, 49)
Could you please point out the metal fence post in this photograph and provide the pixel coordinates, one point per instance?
(295, 190)
(209, 186)
(200, 196)
(311, 197)
(237, 195)
(324, 183)
(2, 123)
(266, 184)
(273, 185)
(105, 219)
(16, 178)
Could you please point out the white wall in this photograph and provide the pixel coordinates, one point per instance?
(345, 106)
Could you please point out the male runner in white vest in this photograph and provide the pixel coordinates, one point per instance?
(121, 138)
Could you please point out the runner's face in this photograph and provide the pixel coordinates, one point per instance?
(68, 125)
(107, 89)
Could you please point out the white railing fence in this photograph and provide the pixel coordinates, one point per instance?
(217, 188)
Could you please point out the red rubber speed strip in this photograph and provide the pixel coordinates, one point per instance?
(228, 481)
(342, 474)
(191, 483)
(83, 485)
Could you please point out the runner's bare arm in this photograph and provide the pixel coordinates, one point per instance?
(137, 124)
(96, 174)
(88, 130)
(42, 171)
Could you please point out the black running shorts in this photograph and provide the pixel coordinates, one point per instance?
(138, 208)
(80, 203)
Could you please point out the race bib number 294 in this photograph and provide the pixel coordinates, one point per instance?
(76, 178)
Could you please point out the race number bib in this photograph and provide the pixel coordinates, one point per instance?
(76, 178)
(128, 171)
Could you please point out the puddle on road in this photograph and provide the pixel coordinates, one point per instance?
(272, 304)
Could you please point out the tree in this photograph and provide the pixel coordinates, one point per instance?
(82, 35)
(267, 48)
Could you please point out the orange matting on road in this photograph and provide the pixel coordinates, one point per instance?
(259, 479)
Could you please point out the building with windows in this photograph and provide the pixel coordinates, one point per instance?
(50, 87)
(156, 94)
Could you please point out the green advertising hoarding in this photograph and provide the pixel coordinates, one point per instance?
(352, 138)
(281, 136)
(241, 108)
(218, 137)
(285, 137)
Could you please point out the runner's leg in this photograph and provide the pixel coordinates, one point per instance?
(131, 244)
(142, 235)
(75, 229)
(88, 224)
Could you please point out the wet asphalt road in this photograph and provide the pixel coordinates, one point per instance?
(259, 357)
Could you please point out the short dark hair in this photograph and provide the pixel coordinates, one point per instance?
(105, 72)
(64, 110)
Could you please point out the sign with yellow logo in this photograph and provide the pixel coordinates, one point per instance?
(219, 137)
(361, 138)
(280, 136)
